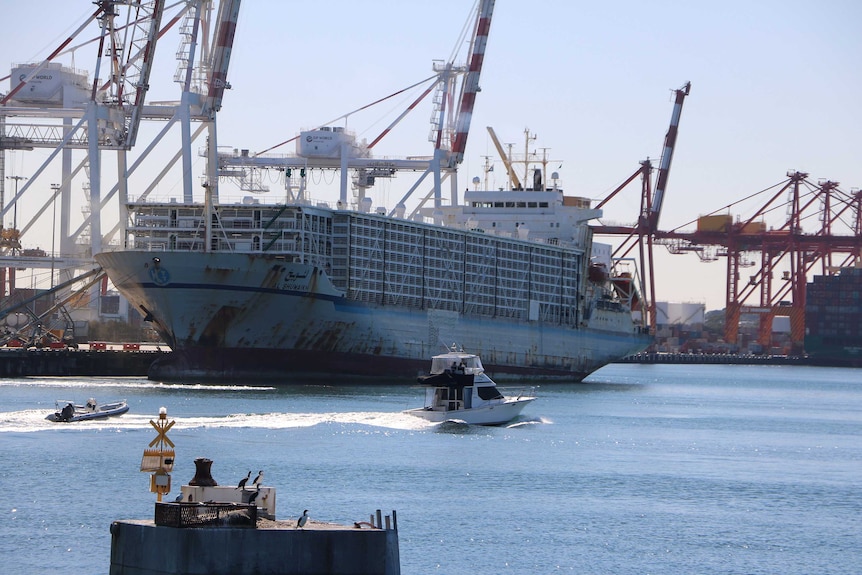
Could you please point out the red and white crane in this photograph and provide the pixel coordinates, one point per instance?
(470, 87)
(456, 89)
(642, 234)
(667, 155)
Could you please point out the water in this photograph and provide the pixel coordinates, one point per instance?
(643, 469)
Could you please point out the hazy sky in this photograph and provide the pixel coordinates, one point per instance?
(776, 86)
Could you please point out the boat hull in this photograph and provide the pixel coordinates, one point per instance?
(495, 414)
(252, 316)
(104, 412)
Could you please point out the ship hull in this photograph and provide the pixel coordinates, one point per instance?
(252, 316)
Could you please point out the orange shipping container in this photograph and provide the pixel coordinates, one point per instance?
(753, 228)
(714, 223)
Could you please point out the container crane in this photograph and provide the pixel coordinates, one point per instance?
(105, 116)
(51, 106)
(788, 253)
(667, 155)
(450, 127)
(642, 234)
(470, 87)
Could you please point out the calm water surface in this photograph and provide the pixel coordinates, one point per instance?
(642, 469)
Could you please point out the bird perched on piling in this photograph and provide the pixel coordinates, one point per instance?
(253, 495)
(300, 523)
(257, 479)
(179, 498)
(243, 481)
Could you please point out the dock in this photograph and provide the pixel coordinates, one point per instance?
(715, 358)
(23, 362)
(140, 547)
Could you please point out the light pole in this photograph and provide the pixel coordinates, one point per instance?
(15, 199)
(56, 189)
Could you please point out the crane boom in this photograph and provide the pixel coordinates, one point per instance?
(667, 155)
(144, 37)
(471, 82)
(516, 183)
(228, 16)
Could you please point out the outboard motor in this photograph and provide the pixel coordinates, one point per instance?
(67, 412)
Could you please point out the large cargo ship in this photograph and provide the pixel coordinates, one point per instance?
(300, 287)
(271, 291)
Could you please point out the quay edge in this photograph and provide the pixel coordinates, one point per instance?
(20, 362)
(140, 547)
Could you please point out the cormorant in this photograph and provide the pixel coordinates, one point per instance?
(300, 523)
(253, 495)
(258, 478)
(243, 481)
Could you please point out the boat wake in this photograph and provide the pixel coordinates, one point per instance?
(529, 422)
(128, 383)
(33, 420)
(459, 426)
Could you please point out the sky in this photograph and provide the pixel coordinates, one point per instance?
(775, 86)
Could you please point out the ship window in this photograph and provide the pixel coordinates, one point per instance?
(543, 204)
(510, 204)
(532, 204)
(522, 204)
(498, 204)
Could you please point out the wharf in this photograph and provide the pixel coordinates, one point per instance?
(21, 362)
(141, 547)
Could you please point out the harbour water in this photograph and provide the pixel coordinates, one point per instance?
(708, 469)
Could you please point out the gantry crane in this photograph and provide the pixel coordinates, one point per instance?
(104, 115)
(455, 88)
(786, 247)
(788, 252)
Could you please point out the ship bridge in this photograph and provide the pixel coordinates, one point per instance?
(545, 216)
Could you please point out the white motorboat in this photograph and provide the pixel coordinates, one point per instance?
(68, 411)
(458, 389)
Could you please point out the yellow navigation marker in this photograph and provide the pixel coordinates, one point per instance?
(160, 461)
(162, 428)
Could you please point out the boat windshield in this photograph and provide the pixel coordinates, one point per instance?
(489, 392)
